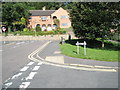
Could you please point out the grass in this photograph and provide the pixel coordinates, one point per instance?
(94, 50)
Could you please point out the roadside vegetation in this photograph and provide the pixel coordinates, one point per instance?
(94, 50)
(33, 33)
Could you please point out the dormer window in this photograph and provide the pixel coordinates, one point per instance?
(44, 18)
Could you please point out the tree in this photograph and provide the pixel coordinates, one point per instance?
(14, 12)
(93, 20)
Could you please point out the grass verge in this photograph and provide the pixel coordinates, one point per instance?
(100, 54)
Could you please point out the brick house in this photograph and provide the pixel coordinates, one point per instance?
(45, 19)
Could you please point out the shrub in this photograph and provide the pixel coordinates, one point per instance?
(14, 33)
(38, 28)
(25, 30)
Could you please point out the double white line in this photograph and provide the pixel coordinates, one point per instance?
(36, 51)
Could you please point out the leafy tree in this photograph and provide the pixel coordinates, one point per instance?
(94, 20)
(14, 13)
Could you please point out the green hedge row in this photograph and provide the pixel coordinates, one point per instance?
(39, 33)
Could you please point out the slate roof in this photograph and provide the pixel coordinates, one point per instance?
(41, 12)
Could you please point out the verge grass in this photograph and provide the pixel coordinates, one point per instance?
(106, 54)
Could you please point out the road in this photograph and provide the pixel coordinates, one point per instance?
(18, 71)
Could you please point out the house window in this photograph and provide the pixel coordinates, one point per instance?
(64, 24)
(63, 16)
(30, 17)
(44, 18)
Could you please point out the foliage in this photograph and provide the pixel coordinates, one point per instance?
(31, 32)
(38, 28)
(57, 22)
(14, 12)
(94, 20)
(25, 30)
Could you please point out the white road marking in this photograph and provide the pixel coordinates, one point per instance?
(8, 84)
(24, 68)
(30, 63)
(7, 80)
(36, 68)
(24, 85)
(40, 63)
(17, 75)
(31, 75)
(38, 50)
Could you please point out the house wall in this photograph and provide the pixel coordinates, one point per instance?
(37, 20)
(63, 16)
(64, 22)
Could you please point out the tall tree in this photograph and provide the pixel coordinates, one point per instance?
(13, 12)
(94, 20)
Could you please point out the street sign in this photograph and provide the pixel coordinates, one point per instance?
(81, 44)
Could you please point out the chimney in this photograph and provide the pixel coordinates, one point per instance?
(44, 8)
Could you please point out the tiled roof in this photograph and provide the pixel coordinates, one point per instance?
(41, 12)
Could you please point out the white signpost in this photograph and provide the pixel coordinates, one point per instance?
(81, 44)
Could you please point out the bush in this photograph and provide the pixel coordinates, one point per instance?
(14, 33)
(32, 29)
(25, 30)
(60, 31)
(45, 33)
(116, 37)
(28, 33)
(38, 28)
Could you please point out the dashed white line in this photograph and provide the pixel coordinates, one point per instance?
(8, 84)
(24, 85)
(30, 63)
(24, 68)
(36, 68)
(40, 63)
(7, 80)
(31, 75)
(17, 75)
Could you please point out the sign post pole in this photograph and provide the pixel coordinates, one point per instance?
(78, 52)
(84, 48)
(77, 47)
